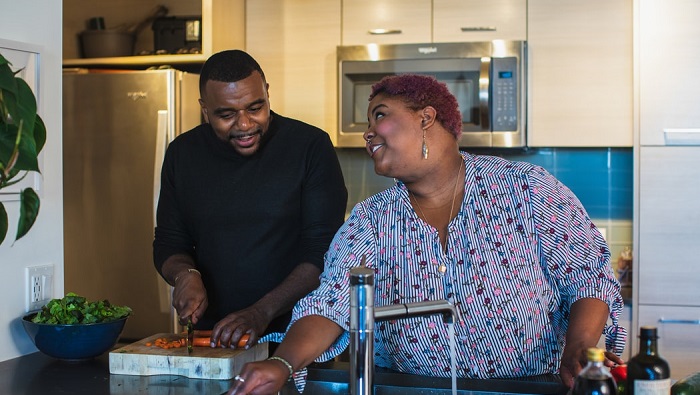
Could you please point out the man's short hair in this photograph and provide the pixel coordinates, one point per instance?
(228, 66)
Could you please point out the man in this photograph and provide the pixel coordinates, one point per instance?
(249, 203)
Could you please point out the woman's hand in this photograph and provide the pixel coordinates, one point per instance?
(260, 378)
(575, 358)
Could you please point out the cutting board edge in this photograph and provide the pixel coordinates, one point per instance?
(143, 364)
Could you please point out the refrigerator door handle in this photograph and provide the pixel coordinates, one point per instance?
(162, 139)
(164, 135)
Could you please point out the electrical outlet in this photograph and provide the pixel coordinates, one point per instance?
(39, 280)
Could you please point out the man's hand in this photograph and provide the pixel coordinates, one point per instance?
(229, 330)
(190, 298)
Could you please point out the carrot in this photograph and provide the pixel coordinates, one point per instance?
(205, 341)
(163, 342)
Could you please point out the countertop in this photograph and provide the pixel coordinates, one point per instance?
(37, 373)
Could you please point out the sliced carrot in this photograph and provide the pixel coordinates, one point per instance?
(164, 343)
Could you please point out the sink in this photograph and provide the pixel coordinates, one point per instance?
(331, 378)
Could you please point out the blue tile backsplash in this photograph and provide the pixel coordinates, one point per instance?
(600, 177)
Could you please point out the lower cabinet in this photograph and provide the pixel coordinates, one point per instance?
(666, 261)
(679, 336)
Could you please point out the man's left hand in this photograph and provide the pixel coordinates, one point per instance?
(229, 330)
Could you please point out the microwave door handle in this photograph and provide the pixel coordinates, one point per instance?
(484, 83)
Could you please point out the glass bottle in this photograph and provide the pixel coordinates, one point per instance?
(647, 372)
(594, 378)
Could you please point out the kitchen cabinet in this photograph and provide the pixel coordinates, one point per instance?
(295, 43)
(223, 27)
(669, 226)
(386, 22)
(424, 21)
(668, 230)
(667, 217)
(668, 62)
(580, 73)
(679, 336)
(479, 20)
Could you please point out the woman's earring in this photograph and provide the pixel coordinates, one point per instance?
(425, 147)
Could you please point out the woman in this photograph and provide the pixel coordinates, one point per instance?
(505, 242)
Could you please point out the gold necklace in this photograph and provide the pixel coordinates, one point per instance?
(442, 268)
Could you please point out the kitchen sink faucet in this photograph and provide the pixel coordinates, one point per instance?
(363, 314)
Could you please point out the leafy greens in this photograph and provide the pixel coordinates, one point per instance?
(75, 309)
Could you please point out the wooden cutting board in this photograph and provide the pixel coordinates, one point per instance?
(204, 362)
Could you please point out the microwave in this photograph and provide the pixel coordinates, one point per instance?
(487, 78)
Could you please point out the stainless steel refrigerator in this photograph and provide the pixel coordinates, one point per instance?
(116, 127)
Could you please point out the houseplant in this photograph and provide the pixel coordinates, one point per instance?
(22, 136)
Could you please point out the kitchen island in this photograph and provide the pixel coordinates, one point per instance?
(37, 373)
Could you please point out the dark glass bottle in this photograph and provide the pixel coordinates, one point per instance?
(647, 372)
(594, 378)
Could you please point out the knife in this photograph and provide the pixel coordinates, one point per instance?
(190, 335)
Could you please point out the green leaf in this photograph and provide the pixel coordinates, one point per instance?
(11, 180)
(28, 155)
(26, 120)
(7, 77)
(75, 309)
(39, 134)
(28, 211)
(8, 135)
(26, 102)
(3, 223)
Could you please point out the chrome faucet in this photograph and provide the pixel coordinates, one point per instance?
(363, 314)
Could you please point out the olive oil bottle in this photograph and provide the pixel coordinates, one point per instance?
(594, 378)
(647, 372)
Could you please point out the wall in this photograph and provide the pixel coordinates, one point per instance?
(600, 177)
(37, 22)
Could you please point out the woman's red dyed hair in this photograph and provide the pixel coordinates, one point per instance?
(419, 91)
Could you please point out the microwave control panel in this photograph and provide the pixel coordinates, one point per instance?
(504, 94)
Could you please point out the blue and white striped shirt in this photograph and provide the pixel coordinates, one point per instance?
(520, 252)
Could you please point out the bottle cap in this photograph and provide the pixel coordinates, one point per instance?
(595, 354)
(648, 332)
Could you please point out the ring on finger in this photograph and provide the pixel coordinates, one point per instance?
(239, 378)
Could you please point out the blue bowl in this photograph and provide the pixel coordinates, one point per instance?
(73, 342)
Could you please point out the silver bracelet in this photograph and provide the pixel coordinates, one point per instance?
(286, 363)
(190, 270)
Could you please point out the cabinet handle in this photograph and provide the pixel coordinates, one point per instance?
(384, 31)
(479, 29)
(675, 321)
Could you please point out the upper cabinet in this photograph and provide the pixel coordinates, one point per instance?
(668, 43)
(386, 22)
(580, 65)
(222, 27)
(479, 20)
(295, 43)
(424, 21)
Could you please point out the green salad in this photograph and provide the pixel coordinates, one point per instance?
(76, 309)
